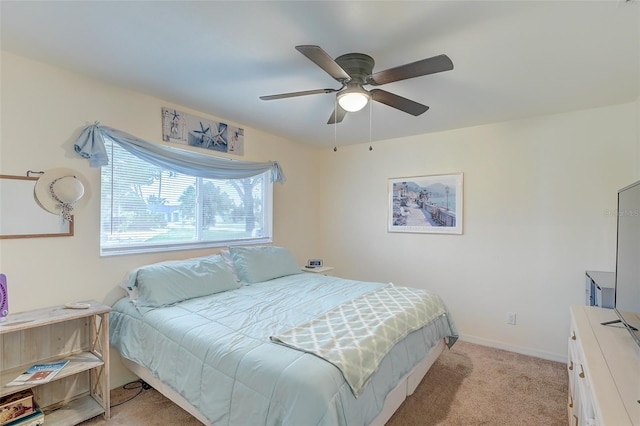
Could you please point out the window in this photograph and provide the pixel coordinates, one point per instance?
(145, 209)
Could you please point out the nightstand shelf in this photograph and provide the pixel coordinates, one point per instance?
(80, 390)
(77, 363)
(77, 411)
(324, 270)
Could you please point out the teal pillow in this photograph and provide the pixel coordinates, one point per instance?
(255, 264)
(167, 283)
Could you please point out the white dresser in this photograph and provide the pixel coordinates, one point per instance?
(604, 370)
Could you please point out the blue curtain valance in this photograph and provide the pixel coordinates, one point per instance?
(91, 145)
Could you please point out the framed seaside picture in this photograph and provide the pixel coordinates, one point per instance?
(426, 204)
(187, 129)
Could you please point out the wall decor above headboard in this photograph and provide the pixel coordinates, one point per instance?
(20, 214)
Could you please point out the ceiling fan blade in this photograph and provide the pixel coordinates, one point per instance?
(337, 115)
(294, 94)
(398, 102)
(415, 69)
(324, 61)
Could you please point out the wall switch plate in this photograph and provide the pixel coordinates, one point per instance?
(511, 318)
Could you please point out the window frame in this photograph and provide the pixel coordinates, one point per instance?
(266, 236)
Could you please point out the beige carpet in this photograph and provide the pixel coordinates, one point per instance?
(468, 385)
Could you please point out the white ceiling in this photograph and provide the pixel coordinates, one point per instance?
(512, 59)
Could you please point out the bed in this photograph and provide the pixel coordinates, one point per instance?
(249, 339)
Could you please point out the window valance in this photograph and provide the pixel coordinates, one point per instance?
(91, 145)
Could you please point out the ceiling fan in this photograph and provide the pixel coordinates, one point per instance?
(355, 70)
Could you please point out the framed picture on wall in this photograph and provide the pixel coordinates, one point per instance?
(187, 129)
(426, 204)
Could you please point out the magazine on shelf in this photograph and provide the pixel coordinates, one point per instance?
(38, 374)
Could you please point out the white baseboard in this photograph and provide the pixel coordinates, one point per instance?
(517, 349)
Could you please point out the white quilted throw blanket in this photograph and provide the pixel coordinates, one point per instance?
(356, 335)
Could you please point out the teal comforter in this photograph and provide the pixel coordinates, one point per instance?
(216, 352)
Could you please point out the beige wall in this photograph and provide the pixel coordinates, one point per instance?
(536, 196)
(42, 108)
(535, 202)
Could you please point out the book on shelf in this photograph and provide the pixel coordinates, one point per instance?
(38, 374)
(34, 419)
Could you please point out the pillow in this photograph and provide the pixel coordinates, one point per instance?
(226, 256)
(166, 283)
(128, 283)
(255, 264)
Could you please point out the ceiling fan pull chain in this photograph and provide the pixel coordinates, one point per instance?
(370, 120)
(335, 125)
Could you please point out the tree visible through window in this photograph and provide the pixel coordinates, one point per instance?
(145, 208)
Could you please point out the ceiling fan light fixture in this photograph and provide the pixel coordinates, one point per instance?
(353, 99)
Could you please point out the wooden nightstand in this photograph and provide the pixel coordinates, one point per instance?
(80, 390)
(324, 270)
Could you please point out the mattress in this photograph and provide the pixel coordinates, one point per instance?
(215, 352)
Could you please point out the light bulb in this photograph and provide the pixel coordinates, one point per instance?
(353, 100)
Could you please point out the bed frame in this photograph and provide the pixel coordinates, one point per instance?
(405, 387)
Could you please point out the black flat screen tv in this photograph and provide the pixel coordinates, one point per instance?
(627, 290)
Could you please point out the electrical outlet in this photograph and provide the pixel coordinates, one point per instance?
(511, 318)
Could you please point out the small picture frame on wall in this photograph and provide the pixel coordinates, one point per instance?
(426, 204)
